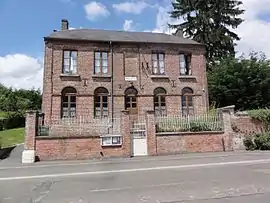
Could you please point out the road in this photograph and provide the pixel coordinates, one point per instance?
(193, 178)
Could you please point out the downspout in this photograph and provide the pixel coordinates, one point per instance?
(51, 84)
(112, 106)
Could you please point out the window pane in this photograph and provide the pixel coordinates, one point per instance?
(162, 99)
(65, 99)
(97, 99)
(161, 57)
(97, 112)
(190, 101)
(133, 99)
(105, 69)
(97, 104)
(154, 56)
(104, 98)
(73, 98)
(104, 62)
(155, 64)
(184, 102)
(73, 105)
(105, 104)
(156, 99)
(97, 55)
(65, 104)
(106, 141)
(161, 67)
(104, 55)
(74, 55)
(116, 140)
(66, 54)
(66, 69)
(97, 69)
(134, 105)
(66, 62)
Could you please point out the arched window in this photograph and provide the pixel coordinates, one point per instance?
(131, 100)
(68, 98)
(187, 101)
(159, 101)
(101, 102)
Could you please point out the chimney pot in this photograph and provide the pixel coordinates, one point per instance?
(64, 24)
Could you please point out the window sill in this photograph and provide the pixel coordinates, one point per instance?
(187, 77)
(69, 75)
(101, 76)
(159, 76)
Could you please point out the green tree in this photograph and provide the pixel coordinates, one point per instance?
(209, 22)
(242, 82)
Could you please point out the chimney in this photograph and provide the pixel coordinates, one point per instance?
(179, 32)
(64, 24)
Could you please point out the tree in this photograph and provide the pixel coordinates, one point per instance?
(242, 82)
(209, 22)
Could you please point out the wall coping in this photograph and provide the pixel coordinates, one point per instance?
(65, 137)
(188, 133)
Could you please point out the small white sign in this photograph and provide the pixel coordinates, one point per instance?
(130, 78)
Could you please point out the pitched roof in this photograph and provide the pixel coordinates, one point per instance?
(119, 36)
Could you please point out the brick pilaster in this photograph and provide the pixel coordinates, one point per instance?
(228, 132)
(125, 132)
(31, 124)
(151, 133)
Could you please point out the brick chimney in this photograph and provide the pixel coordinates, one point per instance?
(64, 24)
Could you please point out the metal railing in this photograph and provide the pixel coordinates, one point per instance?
(194, 123)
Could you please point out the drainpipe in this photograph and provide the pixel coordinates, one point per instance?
(112, 107)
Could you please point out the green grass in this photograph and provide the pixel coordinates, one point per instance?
(11, 137)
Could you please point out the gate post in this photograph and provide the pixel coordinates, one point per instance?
(151, 133)
(31, 125)
(125, 132)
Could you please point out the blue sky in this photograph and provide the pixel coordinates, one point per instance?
(25, 22)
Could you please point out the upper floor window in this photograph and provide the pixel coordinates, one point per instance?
(187, 101)
(101, 102)
(68, 108)
(159, 101)
(185, 62)
(70, 62)
(101, 63)
(158, 63)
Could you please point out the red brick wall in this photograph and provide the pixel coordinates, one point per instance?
(63, 148)
(246, 125)
(175, 143)
(129, 60)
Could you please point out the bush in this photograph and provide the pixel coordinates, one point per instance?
(14, 120)
(258, 142)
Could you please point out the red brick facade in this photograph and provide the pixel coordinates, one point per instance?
(128, 60)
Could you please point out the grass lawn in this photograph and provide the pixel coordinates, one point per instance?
(11, 137)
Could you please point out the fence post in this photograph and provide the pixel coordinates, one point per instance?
(228, 132)
(151, 133)
(31, 125)
(125, 132)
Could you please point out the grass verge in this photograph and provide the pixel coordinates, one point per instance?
(11, 137)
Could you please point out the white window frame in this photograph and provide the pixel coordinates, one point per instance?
(110, 139)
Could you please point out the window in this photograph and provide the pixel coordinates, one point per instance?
(101, 63)
(70, 62)
(101, 102)
(68, 102)
(158, 63)
(107, 140)
(131, 100)
(185, 61)
(159, 101)
(187, 101)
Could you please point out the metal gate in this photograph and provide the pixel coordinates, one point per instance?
(138, 137)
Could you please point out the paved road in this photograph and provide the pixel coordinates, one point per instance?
(197, 178)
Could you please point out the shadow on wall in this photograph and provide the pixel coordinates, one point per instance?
(5, 152)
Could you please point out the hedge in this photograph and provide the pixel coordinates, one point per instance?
(12, 120)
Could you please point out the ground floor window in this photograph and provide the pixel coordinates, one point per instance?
(159, 101)
(187, 101)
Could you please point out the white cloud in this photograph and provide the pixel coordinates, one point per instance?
(95, 10)
(128, 25)
(254, 31)
(131, 7)
(21, 71)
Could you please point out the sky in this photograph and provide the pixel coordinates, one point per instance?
(25, 22)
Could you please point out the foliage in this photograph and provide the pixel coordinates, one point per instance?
(241, 82)
(258, 142)
(209, 22)
(11, 137)
(15, 100)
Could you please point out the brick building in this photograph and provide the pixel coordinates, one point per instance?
(98, 73)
